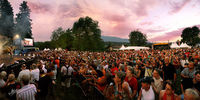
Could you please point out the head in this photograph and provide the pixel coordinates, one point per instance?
(156, 74)
(191, 65)
(23, 67)
(122, 67)
(11, 77)
(169, 87)
(166, 60)
(25, 79)
(191, 94)
(3, 74)
(197, 76)
(130, 71)
(146, 83)
(120, 76)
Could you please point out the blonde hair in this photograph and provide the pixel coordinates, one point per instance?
(193, 93)
(11, 77)
(3, 74)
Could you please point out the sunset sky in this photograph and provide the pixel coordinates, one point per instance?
(160, 20)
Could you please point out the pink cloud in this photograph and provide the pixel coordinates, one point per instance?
(177, 6)
(170, 35)
(39, 7)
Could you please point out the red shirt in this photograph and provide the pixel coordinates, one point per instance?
(113, 70)
(58, 63)
(132, 83)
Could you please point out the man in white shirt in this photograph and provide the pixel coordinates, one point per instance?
(23, 72)
(70, 71)
(35, 73)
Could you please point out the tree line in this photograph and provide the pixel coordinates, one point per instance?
(10, 26)
(85, 35)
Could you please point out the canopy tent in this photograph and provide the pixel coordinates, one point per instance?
(184, 45)
(122, 47)
(174, 45)
(133, 48)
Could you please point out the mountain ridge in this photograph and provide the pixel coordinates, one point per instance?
(113, 39)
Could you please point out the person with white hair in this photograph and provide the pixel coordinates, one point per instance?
(2, 76)
(28, 91)
(190, 94)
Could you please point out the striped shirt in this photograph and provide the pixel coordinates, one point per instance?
(27, 92)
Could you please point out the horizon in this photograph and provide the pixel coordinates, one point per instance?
(159, 20)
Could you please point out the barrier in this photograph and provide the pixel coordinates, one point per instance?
(94, 93)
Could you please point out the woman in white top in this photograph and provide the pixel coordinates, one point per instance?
(146, 92)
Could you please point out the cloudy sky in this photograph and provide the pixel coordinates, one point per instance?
(160, 20)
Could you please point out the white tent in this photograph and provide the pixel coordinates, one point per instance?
(133, 48)
(184, 45)
(122, 47)
(174, 45)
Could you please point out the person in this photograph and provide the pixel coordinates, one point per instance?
(157, 84)
(63, 74)
(23, 72)
(70, 71)
(132, 81)
(28, 91)
(122, 90)
(169, 72)
(44, 84)
(168, 93)
(190, 94)
(188, 75)
(11, 87)
(146, 92)
(2, 76)
(35, 74)
(137, 71)
(196, 82)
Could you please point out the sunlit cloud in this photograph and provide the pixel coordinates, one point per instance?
(160, 20)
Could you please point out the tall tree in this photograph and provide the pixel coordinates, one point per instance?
(23, 21)
(6, 19)
(190, 35)
(87, 35)
(137, 38)
(62, 38)
(57, 33)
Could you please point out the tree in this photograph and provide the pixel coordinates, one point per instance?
(57, 33)
(23, 21)
(87, 35)
(190, 36)
(137, 38)
(62, 39)
(6, 19)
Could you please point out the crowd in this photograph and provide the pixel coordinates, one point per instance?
(172, 74)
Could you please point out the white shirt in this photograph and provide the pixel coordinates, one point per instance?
(2, 83)
(70, 70)
(35, 74)
(158, 83)
(44, 69)
(148, 95)
(23, 72)
(63, 70)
